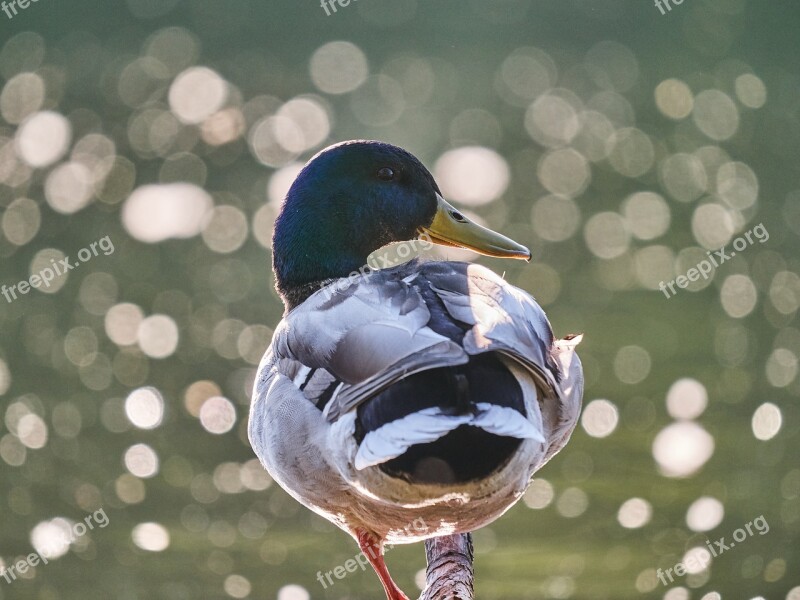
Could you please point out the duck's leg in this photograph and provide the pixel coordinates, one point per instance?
(372, 548)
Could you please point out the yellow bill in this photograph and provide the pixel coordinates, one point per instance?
(451, 228)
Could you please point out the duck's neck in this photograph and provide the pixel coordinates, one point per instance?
(307, 257)
(296, 278)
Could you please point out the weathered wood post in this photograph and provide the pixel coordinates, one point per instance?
(450, 572)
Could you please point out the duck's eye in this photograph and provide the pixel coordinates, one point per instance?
(458, 216)
(385, 174)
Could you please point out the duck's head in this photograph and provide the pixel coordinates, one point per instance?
(355, 197)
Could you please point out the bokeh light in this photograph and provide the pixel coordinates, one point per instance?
(705, 514)
(472, 175)
(600, 418)
(196, 94)
(217, 415)
(178, 128)
(152, 537)
(635, 513)
(43, 138)
(145, 408)
(154, 213)
(681, 449)
(686, 399)
(141, 461)
(338, 67)
(767, 421)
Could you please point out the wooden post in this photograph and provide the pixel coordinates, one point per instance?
(450, 572)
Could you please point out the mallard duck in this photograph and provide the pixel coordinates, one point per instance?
(409, 402)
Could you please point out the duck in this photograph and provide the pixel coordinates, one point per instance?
(414, 401)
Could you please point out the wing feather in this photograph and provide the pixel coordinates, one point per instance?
(379, 329)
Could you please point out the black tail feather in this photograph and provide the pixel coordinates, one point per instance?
(465, 454)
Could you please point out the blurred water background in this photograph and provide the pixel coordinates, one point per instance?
(621, 145)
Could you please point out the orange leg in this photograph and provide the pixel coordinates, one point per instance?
(371, 547)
